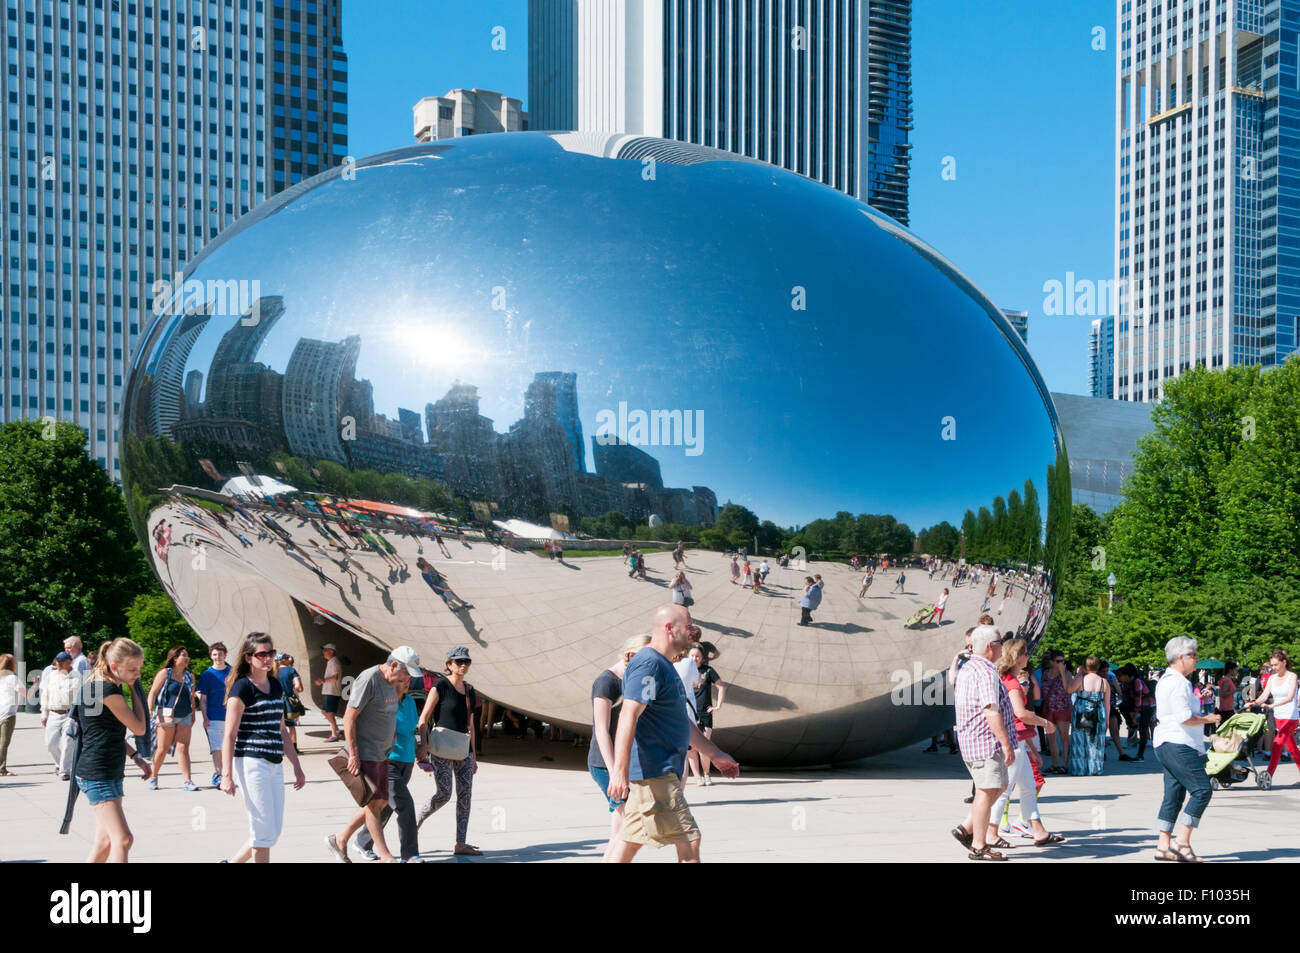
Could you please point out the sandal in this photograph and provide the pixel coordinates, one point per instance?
(986, 853)
(1165, 855)
(964, 837)
(1002, 844)
(1185, 853)
(1050, 839)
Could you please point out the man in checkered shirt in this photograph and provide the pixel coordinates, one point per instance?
(984, 715)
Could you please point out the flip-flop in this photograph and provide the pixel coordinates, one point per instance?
(1050, 839)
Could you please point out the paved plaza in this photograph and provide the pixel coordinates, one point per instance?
(534, 801)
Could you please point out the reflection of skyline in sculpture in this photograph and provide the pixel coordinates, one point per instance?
(318, 410)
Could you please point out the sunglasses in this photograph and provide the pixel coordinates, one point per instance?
(263, 655)
(460, 661)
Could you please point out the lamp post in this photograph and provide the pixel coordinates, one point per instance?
(1110, 582)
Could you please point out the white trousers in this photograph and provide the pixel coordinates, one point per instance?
(1022, 777)
(57, 742)
(262, 784)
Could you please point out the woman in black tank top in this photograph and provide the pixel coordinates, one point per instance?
(103, 721)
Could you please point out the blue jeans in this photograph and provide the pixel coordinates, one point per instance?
(1184, 776)
(601, 777)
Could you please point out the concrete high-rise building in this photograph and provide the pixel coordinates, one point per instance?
(564, 385)
(819, 87)
(317, 389)
(1207, 215)
(1101, 358)
(1020, 321)
(131, 132)
(467, 112)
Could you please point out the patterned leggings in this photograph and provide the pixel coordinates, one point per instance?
(442, 775)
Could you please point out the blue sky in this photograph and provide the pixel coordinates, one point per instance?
(1012, 90)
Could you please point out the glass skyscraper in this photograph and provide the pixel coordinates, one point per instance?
(819, 87)
(1101, 358)
(1207, 215)
(132, 132)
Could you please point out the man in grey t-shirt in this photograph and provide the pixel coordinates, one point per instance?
(370, 726)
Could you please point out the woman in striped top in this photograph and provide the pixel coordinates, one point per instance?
(255, 744)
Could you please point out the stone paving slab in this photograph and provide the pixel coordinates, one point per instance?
(535, 802)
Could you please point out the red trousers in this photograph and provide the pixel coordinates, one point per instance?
(1285, 736)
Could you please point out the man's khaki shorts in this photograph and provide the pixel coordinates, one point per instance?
(989, 774)
(656, 813)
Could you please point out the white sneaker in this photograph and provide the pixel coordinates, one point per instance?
(1022, 830)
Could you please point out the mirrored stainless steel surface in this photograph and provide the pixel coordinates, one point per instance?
(447, 345)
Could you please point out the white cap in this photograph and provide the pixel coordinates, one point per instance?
(408, 657)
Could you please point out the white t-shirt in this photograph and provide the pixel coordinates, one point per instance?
(1176, 702)
(689, 673)
(333, 668)
(9, 686)
(1278, 687)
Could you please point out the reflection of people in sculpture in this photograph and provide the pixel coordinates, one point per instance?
(937, 615)
(295, 553)
(438, 585)
(442, 547)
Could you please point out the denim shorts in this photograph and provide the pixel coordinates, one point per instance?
(97, 792)
(601, 777)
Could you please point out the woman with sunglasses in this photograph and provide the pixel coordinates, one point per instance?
(255, 744)
(449, 705)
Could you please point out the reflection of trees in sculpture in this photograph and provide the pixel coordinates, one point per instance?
(942, 539)
(1059, 512)
(866, 533)
(1011, 531)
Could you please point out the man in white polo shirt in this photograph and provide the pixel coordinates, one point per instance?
(58, 695)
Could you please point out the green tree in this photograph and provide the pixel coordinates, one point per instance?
(70, 562)
(153, 622)
(735, 521)
(941, 539)
(1259, 530)
(1169, 521)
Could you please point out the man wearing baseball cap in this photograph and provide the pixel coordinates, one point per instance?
(370, 728)
(331, 689)
(58, 693)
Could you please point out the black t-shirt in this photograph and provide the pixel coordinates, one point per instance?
(450, 711)
(259, 728)
(704, 693)
(607, 685)
(103, 737)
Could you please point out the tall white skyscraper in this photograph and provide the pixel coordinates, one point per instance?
(820, 87)
(131, 132)
(1207, 215)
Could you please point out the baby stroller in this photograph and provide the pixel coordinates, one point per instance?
(925, 613)
(1230, 759)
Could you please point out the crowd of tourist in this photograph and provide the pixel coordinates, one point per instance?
(1017, 721)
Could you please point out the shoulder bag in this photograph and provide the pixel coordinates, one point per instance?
(167, 716)
(448, 744)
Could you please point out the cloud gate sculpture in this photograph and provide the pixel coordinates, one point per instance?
(383, 394)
